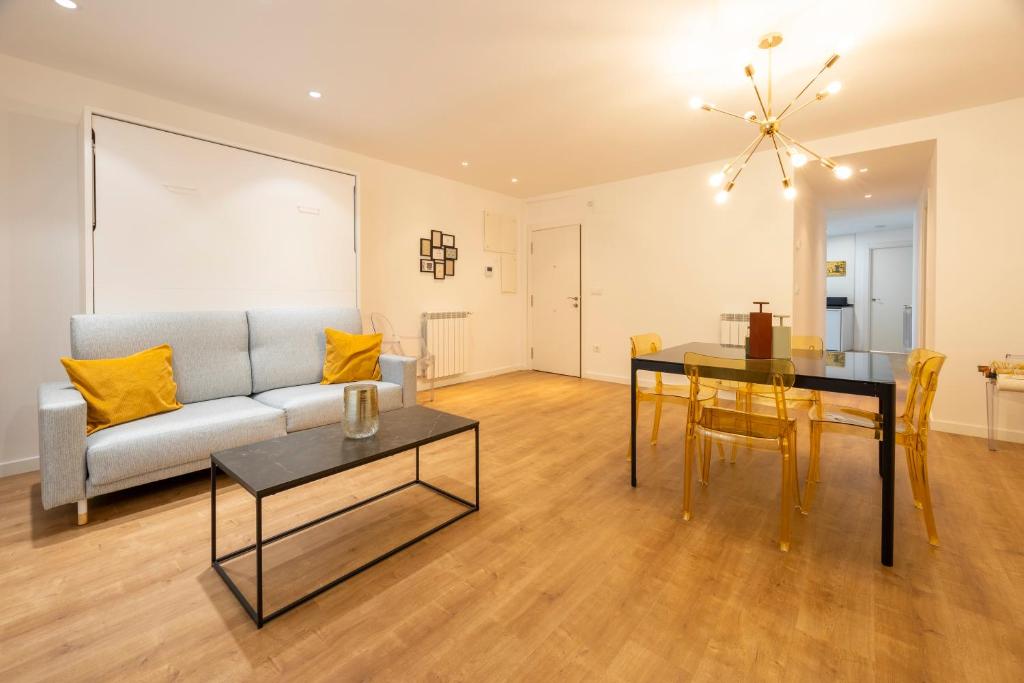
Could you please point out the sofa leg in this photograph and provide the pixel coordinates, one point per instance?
(83, 512)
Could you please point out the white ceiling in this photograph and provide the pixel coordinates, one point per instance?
(895, 177)
(560, 94)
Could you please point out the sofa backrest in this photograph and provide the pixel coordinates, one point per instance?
(286, 345)
(211, 348)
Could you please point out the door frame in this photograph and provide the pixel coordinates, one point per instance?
(529, 289)
(871, 249)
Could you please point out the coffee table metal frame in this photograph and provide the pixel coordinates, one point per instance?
(257, 612)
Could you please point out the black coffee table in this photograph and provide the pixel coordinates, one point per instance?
(284, 463)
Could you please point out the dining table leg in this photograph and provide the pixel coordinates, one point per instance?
(632, 423)
(887, 457)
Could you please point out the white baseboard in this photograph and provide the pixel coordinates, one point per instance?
(12, 467)
(424, 385)
(1002, 434)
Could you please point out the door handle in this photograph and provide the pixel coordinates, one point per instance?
(877, 301)
(573, 298)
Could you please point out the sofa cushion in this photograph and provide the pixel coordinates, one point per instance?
(287, 344)
(186, 435)
(211, 348)
(315, 405)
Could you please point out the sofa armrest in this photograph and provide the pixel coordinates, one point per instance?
(400, 370)
(62, 413)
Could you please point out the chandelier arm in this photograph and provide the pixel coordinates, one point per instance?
(745, 150)
(801, 93)
(757, 143)
(802, 106)
(823, 159)
(759, 100)
(711, 107)
(778, 155)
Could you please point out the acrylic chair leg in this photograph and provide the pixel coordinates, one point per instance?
(705, 461)
(657, 421)
(990, 412)
(913, 468)
(926, 500)
(812, 468)
(687, 473)
(795, 475)
(787, 506)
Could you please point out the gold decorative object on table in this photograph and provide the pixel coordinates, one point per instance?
(769, 125)
(362, 412)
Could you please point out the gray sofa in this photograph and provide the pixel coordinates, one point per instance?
(243, 376)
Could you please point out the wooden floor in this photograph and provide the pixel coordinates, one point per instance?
(566, 572)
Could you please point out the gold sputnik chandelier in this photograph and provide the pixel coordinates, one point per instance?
(769, 126)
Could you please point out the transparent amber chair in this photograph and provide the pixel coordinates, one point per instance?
(661, 393)
(912, 429)
(755, 430)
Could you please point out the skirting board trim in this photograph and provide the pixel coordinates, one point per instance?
(1002, 433)
(424, 384)
(9, 469)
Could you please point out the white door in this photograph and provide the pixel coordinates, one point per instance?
(555, 299)
(892, 273)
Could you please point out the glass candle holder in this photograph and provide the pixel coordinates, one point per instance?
(362, 414)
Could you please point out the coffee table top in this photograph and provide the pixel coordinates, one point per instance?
(276, 465)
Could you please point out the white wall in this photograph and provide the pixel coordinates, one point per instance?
(659, 255)
(41, 235)
(666, 258)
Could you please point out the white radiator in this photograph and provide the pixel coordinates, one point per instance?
(446, 335)
(732, 329)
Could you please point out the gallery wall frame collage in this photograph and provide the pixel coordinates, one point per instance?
(438, 254)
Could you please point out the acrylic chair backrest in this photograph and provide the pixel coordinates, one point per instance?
(802, 343)
(777, 373)
(641, 344)
(924, 365)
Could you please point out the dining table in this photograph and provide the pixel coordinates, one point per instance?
(860, 373)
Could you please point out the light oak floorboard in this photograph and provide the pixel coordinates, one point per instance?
(566, 573)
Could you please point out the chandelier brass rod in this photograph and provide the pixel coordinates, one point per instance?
(801, 93)
(801, 107)
(778, 155)
(804, 147)
(769, 82)
(740, 170)
(745, 150)
(711, 107)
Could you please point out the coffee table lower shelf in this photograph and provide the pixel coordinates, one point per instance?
(256, 612)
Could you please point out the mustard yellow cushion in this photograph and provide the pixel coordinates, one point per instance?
(351, 357)
(118, 390)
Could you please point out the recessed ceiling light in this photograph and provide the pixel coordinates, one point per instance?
(867, 196)
(67, 4)
(863, 170)
(465, 163)
(315, 94)
(515, 180)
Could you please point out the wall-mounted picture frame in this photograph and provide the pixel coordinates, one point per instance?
(426, 265)
(835, 268)
(425, 247)
(438, 270)
(449, 268)
(447, 240)
(435, 238)
(451, 253)
(438, 253)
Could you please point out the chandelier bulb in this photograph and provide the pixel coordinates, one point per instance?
(799, 159)
(842, 172)
(721, 197)
(696, 102)
(717, 179)
(834, 87)
(788, 191)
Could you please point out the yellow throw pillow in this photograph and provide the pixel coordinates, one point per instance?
(118, 390)
(351, 357)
